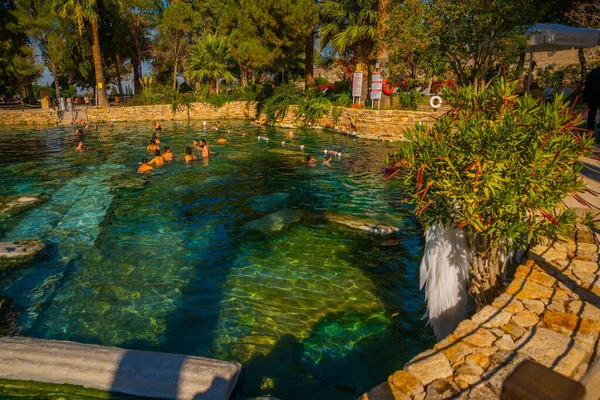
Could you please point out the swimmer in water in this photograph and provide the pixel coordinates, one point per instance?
(79, 135)
(197, 145)
(110, 124)
(310, 161)
(189, 156)
(152, 147)
(167, 155)
(218, 124)
(157, 160)
(156, 126)
(291, 134)
(221, 139)
(205, 151)
(155, 138)
(327, 161)
(145, 167)
(80, 146)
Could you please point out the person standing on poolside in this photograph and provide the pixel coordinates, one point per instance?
(145, 167)
(157, 160)
(167, 155)
(189, 156)
(591, 95)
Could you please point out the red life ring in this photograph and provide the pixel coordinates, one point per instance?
(385, 87)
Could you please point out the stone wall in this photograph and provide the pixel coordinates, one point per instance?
(32, 117)
(550, 313)
(368, 124)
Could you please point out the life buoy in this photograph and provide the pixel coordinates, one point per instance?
(435, 102)
(384, 87)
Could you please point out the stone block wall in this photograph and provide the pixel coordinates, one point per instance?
(550, 313)
(368, 124)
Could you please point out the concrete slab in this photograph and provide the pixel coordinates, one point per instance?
(133, 372)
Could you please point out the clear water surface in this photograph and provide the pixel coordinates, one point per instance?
(172, 261)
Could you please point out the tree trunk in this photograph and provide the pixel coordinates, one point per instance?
(213, 87)
(56, 85)
(175, 75)
(243, 76)
(30, 94)
(383, 52)
(583, 64)
(100, 84)
(309, 51)
(364, 68)
(137, 85)
(118, 70)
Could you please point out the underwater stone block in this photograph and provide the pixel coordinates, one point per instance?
(17, 253)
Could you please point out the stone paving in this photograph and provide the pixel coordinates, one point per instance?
(550, 313)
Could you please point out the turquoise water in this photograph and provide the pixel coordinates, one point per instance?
(180, 261)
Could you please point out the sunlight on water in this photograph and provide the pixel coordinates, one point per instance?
(245, 257)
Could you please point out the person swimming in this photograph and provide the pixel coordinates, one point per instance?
(152, 147)
(197, 145)
(167, 155)
(157, 160)
(218, 124)
(221, 139)
(310, 161)
(205, 150)
(327, 161)
(155, 138)
(80, 146)
(156, 126)
(189, 156)
(79, 135)
(145, 167)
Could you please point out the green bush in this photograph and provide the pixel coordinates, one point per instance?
(275, 107)
(312, 108)
(497, 166)
(343, 100)
(408, 100)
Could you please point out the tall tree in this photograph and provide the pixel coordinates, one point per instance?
(83, 11)
(175, 32)
(208, 61)
(383, 51)
(349, 27)
(268, 32)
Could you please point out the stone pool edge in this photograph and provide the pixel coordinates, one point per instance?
(550, 313)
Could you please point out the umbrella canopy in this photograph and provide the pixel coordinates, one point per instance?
(555, 37)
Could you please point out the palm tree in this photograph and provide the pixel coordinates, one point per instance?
(87, 11)
(208, 61)
(349, 27)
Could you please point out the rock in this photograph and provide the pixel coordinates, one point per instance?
(502, 364)
(505, 343)
(442, 389)
(521, 290)
(480, 360)
(514, 330)
(366, 225)
(383, 392)
(543, 253)
(482, 392)
(508, 303)
(406, 383)
(267, 202)
(531, 272)
(585, 270)
(453, 348)
(568, 324)
(18, 253)
(490, 317)
(525, 319)
(467, 375)
(555, 305)
(584, 309)
(549, 348)
(535, 306)
(276, 221)
(581, 371)
(429, 366)
(497, 332)
(16, 204)
(472, 334)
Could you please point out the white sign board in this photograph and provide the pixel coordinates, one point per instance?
(357, 81)
(376, 85)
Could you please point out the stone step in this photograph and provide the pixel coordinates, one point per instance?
(132, 372)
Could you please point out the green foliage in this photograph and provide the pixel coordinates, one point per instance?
(336, 113)
(343, 100)
(312, 108)
(408, 100)
(218, 100)
(497, 166)
(349, 26)
(276, 106)
(266, 33)
(208, 61)
(558, 78)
